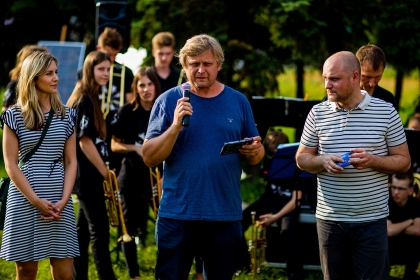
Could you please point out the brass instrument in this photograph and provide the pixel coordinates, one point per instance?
(113, 205)
(156, 189)
(105, 104)
(257, 245)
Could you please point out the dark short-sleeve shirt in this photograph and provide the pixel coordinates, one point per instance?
(410, 210)
(170, 82)
(131, 127)
(85, 126)
(9, 97)
(385, 95)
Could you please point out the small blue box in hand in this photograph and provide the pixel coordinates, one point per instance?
(345, 157)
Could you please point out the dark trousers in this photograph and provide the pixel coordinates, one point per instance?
(135, 193)
(179, 241)
(353, 250)
(198, 263)
(405, 250)
(93, 226)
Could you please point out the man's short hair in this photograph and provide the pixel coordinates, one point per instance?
(163, 39)
(373, 55)
(199, 44)
(111, 38)
(404, 176)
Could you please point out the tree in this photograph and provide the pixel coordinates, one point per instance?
(398, 34)
(252, 63)
(30, 21)
(314, 29)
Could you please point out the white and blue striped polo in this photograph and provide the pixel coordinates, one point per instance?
(374, 125)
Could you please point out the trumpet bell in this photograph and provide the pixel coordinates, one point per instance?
(125, 238)
(113, 205)
(257, 245)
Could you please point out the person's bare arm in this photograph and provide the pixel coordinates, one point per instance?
(268, 219)
(89, 149)
(414, 228)
(308, 159)
(118, 146)
(10, 153)
(157, 149)
(397, 161)
(396, 228)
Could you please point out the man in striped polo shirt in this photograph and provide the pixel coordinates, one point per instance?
(352, 201)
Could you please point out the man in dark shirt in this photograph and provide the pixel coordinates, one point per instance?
(372, 62)
(403, 224)
(163, 44)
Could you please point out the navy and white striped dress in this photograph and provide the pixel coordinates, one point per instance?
(26, 236)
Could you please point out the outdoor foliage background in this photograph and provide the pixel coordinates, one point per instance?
(273, 48)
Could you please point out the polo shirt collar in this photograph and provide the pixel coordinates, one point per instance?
(362, 106)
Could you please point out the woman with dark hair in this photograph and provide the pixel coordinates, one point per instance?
(92, 216)
(39, 221)
(128, 132)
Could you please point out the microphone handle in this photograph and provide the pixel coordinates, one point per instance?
(186, 119)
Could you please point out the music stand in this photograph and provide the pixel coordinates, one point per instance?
(284, 166)
(280, 111)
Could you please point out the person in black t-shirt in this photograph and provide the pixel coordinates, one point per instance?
(163, 50)
(129, 129)
(9, 96)
(92, 217)
(372, 63)
(403, 224)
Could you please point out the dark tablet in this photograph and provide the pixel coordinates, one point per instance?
(234, 146)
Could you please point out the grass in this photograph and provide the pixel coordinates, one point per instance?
(252, 187)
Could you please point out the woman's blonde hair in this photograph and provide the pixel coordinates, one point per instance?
(88, 87)
(33, 66)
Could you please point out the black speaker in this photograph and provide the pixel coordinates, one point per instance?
(113, 14)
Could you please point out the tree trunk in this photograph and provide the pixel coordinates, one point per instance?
(398, 87)
(299, 79)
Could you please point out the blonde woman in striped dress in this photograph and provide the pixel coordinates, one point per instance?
(40, 221)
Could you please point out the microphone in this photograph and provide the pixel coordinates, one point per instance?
(186, 87)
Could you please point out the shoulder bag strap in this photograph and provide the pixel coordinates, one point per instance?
(44, 132)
